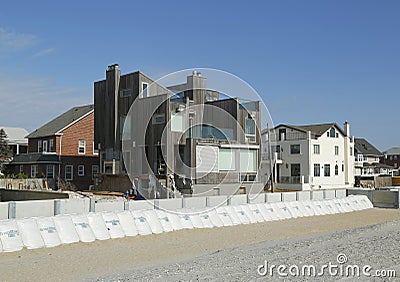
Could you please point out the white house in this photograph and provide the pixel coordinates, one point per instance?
(310, 157)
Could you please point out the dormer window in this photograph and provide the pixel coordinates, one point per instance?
(332, 133)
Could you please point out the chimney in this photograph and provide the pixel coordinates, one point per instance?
(346, 128)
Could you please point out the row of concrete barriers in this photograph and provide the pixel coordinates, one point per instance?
(26, 209)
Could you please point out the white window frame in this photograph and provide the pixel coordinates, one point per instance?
(51, 145)
(336, 150)
(95, 170)
(95, 151)
(72, 172)
(81, 170)
(145, 93)
(34, 171)
(39, 146)
(45, 147)
(318, 147)
(84, 147)
(47, 171)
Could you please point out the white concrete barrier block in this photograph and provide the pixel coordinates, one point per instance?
(317, 195)
(289, 197)
(111, 206)
(340, 193)
(214, 201)
(238, 200)
(141, 205)
(25, 209)
(303, 195)
(273, 197)
(329, 194)
(168, 204)
(4, 210)
(194, 202)
(73, 206)
(256, 198)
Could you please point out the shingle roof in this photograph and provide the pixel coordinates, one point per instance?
(393, 151)
(34, 158)
(56, 125)
(364, 147)
(15, 135)
(316, 129)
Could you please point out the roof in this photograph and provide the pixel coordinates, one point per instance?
(15, 135)
(61, 122)
(393, 151)
(364, 147)
(316, 129)
(35, 158)
(378, 165)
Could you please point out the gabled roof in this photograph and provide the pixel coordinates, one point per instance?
(393, 151)
(35, 158)
(62, 122)
(364, 147)
(316, 129)
(15, 135)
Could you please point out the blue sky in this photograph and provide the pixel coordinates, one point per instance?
(311, 61)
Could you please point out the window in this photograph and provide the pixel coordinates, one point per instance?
(342, 167)
(391, 157)
(95, 151)
(395, 157)
(226, 159)
(332, 133)
(69, 172)
(51, 145)
(95, 170)
(317, 170)
(336, 150)
(248, 160)
(250, 130)
(125, 93)
(351, 151)
(177, 122)
(21, 169)
(295, 169)
(34, 171)
(81, 170)
(45, 146)
(395, 165)
(82, 147)
(295, 149)
(282, 134)
(39, 146)
(158, 119)
(144, 89)
(50, 171)
(327, 170)
(336, 170)
(316, 149)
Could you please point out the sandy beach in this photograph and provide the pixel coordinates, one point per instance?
(103, 260)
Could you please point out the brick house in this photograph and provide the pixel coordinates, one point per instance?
(62, 151)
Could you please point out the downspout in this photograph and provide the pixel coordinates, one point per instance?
(59, 163)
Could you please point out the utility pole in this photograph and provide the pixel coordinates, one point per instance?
(271, 164)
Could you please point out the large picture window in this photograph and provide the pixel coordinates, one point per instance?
(226, 159)
(248, 160)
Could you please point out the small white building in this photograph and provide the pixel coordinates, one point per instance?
(309, 157)
(16, 139)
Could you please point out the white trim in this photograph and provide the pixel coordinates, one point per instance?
(72, 173)
(83, 171)
(240, 146)
(84, 147)
(72, 123)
